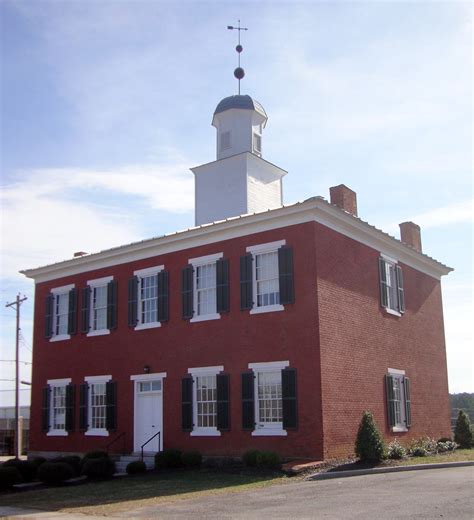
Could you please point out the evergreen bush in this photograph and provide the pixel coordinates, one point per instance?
(55, 472)
(9, 476)
(369, 446)
(136, 467)
(168, 459)
(463, 431)
(249, 458)
(27, 468)
(98, 468)
(73, 460)
(191, 459)
(38, 461)
(268, 459)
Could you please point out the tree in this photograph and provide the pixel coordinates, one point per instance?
(463, 431)
(369, 445)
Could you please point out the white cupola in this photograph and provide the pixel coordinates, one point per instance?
(240, 181)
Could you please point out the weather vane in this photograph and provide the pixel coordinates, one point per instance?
(239, 72)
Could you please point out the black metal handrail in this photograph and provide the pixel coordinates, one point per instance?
(123, 434)
(150, 439)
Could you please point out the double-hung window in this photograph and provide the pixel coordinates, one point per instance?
(58, 402)
(392, 295)
(148, 298)
(269, 399)
(61, 313)
(398, 400)
(266, 277)
(205, 288)
(98, 402)
(99, 306)
(205, 401)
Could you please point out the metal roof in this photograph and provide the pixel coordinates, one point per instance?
(244, 102)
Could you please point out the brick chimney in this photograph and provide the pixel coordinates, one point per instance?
(410, 235)
(344, 198)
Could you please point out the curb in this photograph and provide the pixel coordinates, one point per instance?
(395, 469)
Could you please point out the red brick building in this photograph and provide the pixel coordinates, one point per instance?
(274, 327)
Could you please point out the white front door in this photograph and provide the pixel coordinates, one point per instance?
(148, 415)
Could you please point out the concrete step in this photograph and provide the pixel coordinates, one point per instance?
(124, 460)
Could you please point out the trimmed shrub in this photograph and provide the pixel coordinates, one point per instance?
(55, 472)
(369, 445)
(9, 476)
(73, 460)
(27, 469)
(249, 458)
(168, 459)
(136, 467)
(94, 455)
(396, 451)
(463, 431)
(98, 468)
(445, 446)
(418, 451)
(268, 459)
(423, 447)
(37, 461)
(191, 459)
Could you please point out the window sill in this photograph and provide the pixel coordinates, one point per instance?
(268, 432)
(145, 326)
(205, 432)
(399, 429)
(267, 308)
(205, 317)
(60, 337)
(102, 332)
(57, 433)
(392, 312)
(97, 433)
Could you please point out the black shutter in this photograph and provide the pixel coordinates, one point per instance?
(49, 312)
(285, 272)
(383, 283)
(187, 291)
(288, 391)
(401, 292)
(112, 305)
(187, 404)
(222, 285)
(70, 393)
(111, 405)
(390, 400)
(85, 309)
(133, 301)
(406, 383)
(72, 314)
(163, 296)
(246, 278)
(248, 410)
(223, 417)
(83, 406)
(45, 408)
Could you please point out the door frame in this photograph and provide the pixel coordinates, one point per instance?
(140, 378)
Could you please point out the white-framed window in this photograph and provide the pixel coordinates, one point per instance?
(268, 398)
(391, 286)
(60, 313)
(397, 400)
(266, 284)
(98, 306)
(97, 405)
(57, 407)
(204, 287)
(205, 400)
(257, 143)
(225, 142)
(147, 308)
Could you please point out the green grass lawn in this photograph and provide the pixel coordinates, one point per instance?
(118, 495)
(450, 456)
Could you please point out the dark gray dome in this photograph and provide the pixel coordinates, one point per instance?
(242, 102)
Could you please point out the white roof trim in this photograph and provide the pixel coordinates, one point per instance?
(315, 209)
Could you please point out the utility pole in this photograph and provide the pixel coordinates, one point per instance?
(17, 304)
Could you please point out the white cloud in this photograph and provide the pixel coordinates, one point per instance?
(459, 212)
(48, 214)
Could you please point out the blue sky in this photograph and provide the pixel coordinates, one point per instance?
(107, 104)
